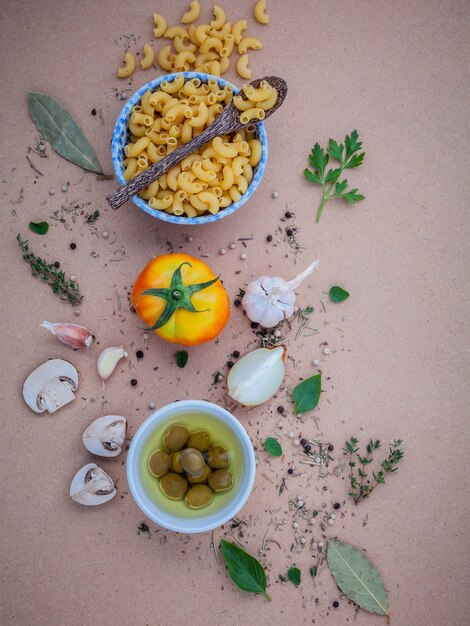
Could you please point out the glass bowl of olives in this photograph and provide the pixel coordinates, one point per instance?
(191, 466)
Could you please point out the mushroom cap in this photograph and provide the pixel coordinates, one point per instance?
(64, 378)
(105, 436)
(91, 485)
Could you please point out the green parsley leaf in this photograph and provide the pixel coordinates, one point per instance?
(272, 447)
(338, 294)
(317, 159)
(335, 151)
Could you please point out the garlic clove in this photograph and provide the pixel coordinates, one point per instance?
(91, 485)
(108, 359)
(257, 376)
(106, 435)
(72, 335)
(50, 386)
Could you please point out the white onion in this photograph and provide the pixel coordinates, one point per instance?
(257, 375)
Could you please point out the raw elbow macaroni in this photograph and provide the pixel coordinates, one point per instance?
(215, 176)
(258, 101)
(206, 47)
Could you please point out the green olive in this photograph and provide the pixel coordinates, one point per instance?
(218, 457)
(201, 440)
(192, 462)
(173, 486)
(195, 480)
(175, 462)
(199, 496)
(220, 480)
(175, 437)
(159, 463)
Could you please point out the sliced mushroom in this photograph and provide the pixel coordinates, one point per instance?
(50, 386)
(91, 486)
(106, 435)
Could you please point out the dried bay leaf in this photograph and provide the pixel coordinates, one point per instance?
(62, 132)
(357, 577)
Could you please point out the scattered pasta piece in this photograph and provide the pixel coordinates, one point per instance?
(220, 172)
(148, 58)
(192, 14)
(260, 12)
(129, 66)
(242, 66)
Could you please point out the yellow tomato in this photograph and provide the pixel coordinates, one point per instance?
(181, 299)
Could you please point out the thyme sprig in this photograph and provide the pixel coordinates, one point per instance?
(67, 290)
(361, 486)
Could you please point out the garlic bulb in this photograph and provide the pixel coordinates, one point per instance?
(108, 359)
(257, 375)
(271, 299)
(72, 335)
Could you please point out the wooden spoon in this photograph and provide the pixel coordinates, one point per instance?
(227, 122)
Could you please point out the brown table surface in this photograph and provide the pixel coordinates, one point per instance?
(396, 71)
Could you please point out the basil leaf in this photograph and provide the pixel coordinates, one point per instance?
(272, 447)
(338, 294)
(294, 576)
(40, 228)
(307, 394)
(181, 358)
(245, 571)
(60, 129)
(357, 577)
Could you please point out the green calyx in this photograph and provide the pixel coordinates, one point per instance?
(177, 296)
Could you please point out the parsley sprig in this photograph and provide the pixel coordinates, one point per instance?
(348, 156)
(360, 486)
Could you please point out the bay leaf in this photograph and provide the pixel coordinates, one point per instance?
(60, 129)
(272, 447)
(40, 228)
(245, 571)
(306, 394)
(357, 577)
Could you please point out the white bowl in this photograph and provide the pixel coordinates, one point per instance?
(203, 522)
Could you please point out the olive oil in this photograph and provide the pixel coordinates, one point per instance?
(221, 434)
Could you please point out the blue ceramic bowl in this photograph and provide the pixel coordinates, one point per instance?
(121, 138)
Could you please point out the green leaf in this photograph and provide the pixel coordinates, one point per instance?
(294, 576)
(307, 394)
(352, 196)
(313, 571)
(338, 294)
(272, 447)
(318, 159)
(340, 187)
(352, 144)
(181, 358)
(355, 161)
(357, 577)
(312, 177)
(40, 228)
(332, 176)
(245, 571)
(61, 130)
(335, 151)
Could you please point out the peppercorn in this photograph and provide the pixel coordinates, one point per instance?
(235, 354)
(134, 382)
(73, 246)
(254, 324)
(230, 364)
(269, 238)
(331, 447)
(57, 264)
(336, 505)
(288, 214)
(335, 604)
(308, 448)
(303, 442)
(139, 354)
(289, 232)
(280, 409)
(237, 302)
(93, 111)
(290, 470)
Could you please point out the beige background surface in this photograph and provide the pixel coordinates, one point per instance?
(396, 71)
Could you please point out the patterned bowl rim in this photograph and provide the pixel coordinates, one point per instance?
(120, 131)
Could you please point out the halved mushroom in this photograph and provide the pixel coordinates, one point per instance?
(50, 386)
(106, 435)
(91, 486)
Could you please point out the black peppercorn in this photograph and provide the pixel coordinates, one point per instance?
(290, 470)
(289, 232)
(139, 354)
(93, 111)
(254, 324)
(280, 409)
(237, 302)
(57, 264)
(335, 604)
(269, 238)
(230, 364)
(235, 354)
(134, 382)
(303, 442)
(73, 246)
(308, 448)
(336, 505)
(331, 447)
(288, 214)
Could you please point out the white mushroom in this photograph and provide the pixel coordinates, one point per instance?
(50, 386)
(91, 486)
(106, 435)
